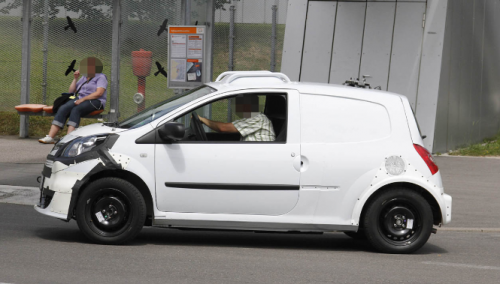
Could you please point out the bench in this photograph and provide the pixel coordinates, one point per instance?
(45, 110)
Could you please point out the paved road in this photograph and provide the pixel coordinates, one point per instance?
(39, 249)
(21, 160)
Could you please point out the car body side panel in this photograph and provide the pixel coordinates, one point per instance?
(339, 160)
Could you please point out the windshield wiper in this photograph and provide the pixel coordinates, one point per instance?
(111, 124)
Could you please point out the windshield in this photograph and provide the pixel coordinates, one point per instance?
(160, 109)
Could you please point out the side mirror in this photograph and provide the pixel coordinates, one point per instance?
(171, 131)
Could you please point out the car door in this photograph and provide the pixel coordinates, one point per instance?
(231, 177)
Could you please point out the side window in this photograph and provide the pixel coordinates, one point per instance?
(328, 119)
(247, 117)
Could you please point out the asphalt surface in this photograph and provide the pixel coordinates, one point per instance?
(39, 249)
(21, 160)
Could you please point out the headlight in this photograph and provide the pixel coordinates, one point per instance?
(61, 143)
(81, 145)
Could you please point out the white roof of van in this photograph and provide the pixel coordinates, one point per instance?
(245, 80)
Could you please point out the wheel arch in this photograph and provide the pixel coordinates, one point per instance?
(133, 179)
(436, 209)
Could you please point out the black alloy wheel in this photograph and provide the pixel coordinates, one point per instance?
(110, 211)
(398, 220)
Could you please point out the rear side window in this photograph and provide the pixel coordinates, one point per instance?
(328, 119)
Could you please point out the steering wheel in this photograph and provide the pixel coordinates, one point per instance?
(197, 127)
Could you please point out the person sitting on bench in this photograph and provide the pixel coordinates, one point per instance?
(90, 96)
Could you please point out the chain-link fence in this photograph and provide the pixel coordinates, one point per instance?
(248, 35)
(11, 32)
(141, 21)
(62, 31)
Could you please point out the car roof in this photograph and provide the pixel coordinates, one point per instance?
(305, 88)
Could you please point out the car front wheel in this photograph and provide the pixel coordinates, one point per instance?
(399, 220)
(110, 211)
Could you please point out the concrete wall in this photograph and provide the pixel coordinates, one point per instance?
(331, 41)
(469, 91)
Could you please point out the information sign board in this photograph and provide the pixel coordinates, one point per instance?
(186, 54)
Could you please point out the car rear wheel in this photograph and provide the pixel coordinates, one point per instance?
(110, 211)
(398, 220)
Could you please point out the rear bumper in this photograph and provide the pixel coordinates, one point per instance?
(446, 208)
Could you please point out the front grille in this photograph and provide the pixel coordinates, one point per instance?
(45, 198)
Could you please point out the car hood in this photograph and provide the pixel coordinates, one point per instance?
(93, 129)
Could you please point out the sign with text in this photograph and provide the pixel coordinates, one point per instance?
(186, 52)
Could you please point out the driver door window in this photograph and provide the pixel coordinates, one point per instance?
(272, 106)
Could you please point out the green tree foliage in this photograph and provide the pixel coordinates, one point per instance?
(142, 10)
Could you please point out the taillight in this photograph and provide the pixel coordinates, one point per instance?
(427, 157)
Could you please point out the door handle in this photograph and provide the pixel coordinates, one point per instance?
(297, 163)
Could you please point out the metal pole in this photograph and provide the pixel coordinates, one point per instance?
(209, 44)
(45, 49)
(209, 58)
(273, 38)
(229, 110)
(230, 65)
(25, 66)
(187, 17)
(114, 111)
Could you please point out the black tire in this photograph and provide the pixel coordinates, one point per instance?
(359, 235)
(121, 207)
(387, 218)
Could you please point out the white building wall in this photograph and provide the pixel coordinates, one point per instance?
(384, 39)
(469, 92)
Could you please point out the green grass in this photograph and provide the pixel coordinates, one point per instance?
(252, 51)
(38, 125)
(489, 147)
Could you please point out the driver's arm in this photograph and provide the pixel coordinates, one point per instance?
(219, 126)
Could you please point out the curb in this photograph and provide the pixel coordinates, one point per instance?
(470, 230)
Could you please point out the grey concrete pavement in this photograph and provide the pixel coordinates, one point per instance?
(19, 195)
(20, 174)
(474, 184)
(22, 151)
(21, 160)
(40, 249)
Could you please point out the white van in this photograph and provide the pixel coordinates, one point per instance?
(343, 159)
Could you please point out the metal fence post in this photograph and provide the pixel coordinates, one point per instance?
(25, 66)
(209, 55)
(187, 17)
(230, 65)
(114, 111)
(229, 110)
(273, 38)
(45, 49)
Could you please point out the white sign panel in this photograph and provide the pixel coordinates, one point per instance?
(186, 52)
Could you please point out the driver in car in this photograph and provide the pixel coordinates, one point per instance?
(254, 126)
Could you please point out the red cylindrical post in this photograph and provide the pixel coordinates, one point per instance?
(141, 88)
